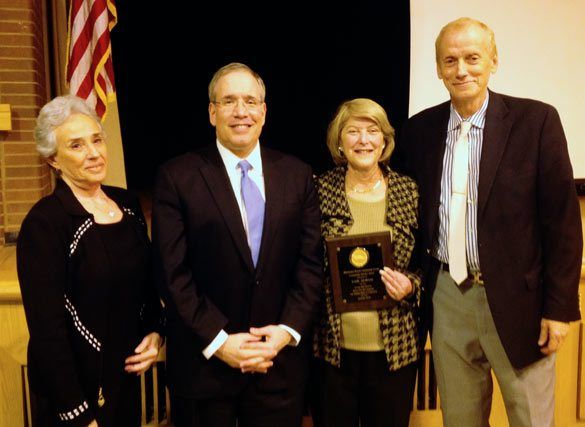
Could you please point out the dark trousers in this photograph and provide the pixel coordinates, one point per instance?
(363, 392)
(253, 407)
(123, 410)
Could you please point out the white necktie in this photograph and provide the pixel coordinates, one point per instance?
(458, 207)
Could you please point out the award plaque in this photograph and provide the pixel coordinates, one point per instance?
(354, 263)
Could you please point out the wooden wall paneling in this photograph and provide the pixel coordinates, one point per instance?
(581, 376)
(13, 343)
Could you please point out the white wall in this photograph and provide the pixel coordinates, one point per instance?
(541, 46)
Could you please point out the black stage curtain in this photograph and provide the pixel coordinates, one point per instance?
(310, 61)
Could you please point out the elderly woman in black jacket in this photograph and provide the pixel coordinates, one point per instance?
(83, 265)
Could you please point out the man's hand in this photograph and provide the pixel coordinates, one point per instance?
(271, 338)
(552, 335)
(245, 351)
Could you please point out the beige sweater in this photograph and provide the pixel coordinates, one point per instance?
(360, 330)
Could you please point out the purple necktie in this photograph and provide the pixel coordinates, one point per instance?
(254, 205)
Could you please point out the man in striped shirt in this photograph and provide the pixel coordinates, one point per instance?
(520, 243)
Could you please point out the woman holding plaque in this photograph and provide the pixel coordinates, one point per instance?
(367, 359)
(83, 260)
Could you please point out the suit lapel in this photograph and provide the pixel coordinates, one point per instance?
(275, 189)
(495, 138)
(437, 136)
(221, 190)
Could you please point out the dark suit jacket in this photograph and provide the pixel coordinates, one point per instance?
(206, 273)
(529, 225)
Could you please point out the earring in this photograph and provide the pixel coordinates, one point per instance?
(340, 148)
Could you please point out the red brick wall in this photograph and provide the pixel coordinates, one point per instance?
(25, 177)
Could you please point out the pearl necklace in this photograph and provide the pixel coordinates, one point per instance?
(357, 189)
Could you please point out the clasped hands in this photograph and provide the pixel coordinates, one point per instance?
(254, 351)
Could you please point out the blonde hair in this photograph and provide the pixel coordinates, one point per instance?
(359, 108)
(465, 23)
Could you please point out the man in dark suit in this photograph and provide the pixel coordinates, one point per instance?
(236, 232)
(500, 234)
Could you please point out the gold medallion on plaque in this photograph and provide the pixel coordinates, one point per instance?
(359, 257)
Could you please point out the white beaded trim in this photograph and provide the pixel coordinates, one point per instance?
(131, 212)
(77, 236)
(67, 416)
(82, 329)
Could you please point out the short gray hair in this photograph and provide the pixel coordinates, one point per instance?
(462, 23)
(53, 114)
(231, 68)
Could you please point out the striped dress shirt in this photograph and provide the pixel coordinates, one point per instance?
(475, 138)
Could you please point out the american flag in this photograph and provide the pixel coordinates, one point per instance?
(90, 73)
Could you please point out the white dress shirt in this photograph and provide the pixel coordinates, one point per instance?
(475, 137)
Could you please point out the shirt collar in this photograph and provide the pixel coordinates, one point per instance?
(477, 119)
(230, 160)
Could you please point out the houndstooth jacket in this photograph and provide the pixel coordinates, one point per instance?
(398, 324)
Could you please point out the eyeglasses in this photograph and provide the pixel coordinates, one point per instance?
(251, 104)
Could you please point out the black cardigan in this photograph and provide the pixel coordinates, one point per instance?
(62, 269)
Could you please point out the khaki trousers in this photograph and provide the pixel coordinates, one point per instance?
(466, 347)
